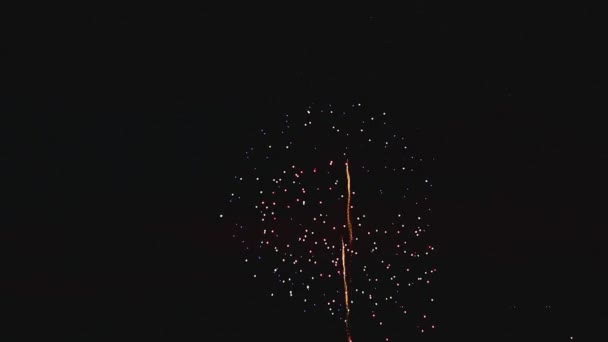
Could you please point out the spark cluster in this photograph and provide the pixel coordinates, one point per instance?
(288, 208)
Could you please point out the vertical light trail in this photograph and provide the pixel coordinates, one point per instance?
(346, 300)
(348, 222)
(344, 261)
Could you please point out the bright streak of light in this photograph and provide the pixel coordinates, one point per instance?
(344, 262)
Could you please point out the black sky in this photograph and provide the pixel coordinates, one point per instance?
(122, 126)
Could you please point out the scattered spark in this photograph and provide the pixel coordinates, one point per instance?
(284, 208)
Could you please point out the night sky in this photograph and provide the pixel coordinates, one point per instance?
(122, 128)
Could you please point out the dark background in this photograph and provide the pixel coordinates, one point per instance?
(121, 127)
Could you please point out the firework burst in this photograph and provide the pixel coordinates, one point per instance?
(334, 205)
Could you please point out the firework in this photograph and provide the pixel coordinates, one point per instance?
(370, 267)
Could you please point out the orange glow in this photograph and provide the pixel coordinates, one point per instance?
(344, 261)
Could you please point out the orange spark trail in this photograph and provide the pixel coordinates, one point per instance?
(344, 262)
(348, 223)
(344, 273)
